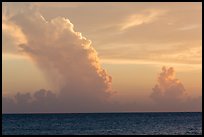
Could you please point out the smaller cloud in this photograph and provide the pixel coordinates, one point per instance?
(168, 87)
(41, 101)
(170, 94)
(189, 27)
(145, 17)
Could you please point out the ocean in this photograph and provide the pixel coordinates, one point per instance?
(176, 123)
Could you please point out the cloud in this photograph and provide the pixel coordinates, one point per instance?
(68, 60)
(170, 94)
(189, 27)
(168, 86)
(147, 16)
(40, 101)
(188, 53)
(58, 5)
(11, 34)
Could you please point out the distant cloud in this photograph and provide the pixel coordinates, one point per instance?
(189, 27)
(145, 17)
(168, 88)
(40, 101)
(169, 93)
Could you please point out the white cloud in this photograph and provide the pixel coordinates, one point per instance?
(146, 17)
(189, 27)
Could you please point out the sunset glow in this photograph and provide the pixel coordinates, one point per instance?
(102, 57)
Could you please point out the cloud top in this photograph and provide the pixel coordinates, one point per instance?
(145, 17)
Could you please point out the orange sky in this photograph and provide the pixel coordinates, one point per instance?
(133, 41)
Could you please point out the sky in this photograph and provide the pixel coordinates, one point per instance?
(101, 57)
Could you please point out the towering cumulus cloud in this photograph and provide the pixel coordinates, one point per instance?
(169, 93)
(68, 61)
(168, 88)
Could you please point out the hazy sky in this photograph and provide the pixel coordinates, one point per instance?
(131, 41)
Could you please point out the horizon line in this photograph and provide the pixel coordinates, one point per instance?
(104, 112)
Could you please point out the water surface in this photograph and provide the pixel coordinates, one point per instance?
(186, 123)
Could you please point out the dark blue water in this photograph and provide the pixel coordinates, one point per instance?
(103, 124)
